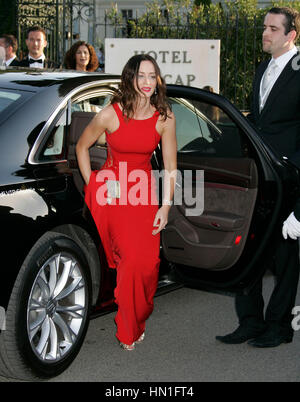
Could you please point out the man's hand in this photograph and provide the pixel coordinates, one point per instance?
(291, 227)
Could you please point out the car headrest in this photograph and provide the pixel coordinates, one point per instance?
(78, 123)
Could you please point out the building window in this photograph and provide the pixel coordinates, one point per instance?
(127, 14)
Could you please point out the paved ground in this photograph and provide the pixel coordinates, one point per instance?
(180, 346)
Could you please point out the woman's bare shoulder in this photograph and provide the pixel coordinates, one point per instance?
(108, 111)
(166, 125)
(106, 114)
(169, 120)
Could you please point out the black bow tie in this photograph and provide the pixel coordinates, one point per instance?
(31, 61)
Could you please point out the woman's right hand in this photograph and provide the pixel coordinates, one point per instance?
(161, 219)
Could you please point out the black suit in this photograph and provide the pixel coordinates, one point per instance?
(279, 125)
(47, 63)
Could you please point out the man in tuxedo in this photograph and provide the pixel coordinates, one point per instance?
(275, 112)
(36, 42)
(10, 45)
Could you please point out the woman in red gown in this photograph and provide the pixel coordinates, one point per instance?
(122, 194)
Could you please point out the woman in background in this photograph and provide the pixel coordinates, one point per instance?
(81, 57)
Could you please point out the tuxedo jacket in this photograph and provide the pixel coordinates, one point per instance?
(47, 63)
(278, 123)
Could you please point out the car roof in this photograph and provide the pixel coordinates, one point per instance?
(35, 80)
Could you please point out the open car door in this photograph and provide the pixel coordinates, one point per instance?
(225, 170)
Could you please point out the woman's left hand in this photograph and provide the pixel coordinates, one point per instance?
(161, 219)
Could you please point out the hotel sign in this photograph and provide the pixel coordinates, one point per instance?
(191, 62)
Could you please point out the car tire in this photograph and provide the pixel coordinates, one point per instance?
(48, 312)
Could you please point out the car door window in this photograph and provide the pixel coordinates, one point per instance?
(10, 101)
(7, 98)
(53, 148)
(94, 103)
(83, 109)
(205, 130)
(91, 103)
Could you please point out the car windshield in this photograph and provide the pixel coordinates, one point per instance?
(7, 99)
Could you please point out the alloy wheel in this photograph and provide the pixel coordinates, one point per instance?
(56, 308)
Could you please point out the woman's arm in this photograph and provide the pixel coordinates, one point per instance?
(89, 136)
(169, 153)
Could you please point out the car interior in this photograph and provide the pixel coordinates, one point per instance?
(209, 141)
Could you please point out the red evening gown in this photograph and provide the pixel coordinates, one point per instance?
(126, 229)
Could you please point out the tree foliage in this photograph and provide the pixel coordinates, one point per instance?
(238, 25)
(204, 2)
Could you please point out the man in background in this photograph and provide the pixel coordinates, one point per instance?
(275, 113)
(10, 45)
(36, 42)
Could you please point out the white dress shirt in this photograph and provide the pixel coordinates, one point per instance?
(280, 62)
(37, 65)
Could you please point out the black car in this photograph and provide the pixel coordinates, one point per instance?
(54, 275)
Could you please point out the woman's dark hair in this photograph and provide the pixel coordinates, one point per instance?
(127, 95)
(70, 58)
